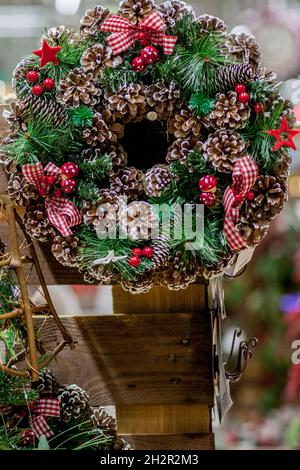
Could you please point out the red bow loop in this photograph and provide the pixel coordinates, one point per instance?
(124, 33)
(42, 409)
(245, 174)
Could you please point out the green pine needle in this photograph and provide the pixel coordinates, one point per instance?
(81, 116)
(15, 391)
(201, 104)
(96, 168)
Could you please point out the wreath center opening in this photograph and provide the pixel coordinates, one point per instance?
(146, 143)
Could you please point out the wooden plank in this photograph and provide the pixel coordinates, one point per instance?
(163, 419)
(160, 299)
(172, 442)
(138, 359)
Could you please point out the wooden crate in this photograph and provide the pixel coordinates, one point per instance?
(151, 359)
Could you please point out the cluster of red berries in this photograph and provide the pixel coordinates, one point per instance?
(208, 185)
(138, 253)
(239, 198)
(38, 89)
(244, 97)
(149, 55)
(69, 171)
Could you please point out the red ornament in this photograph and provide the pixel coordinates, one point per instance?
(143, 39)
(250, 195)
(239, 198)
(49, 83)
(69, 169)
(138, 64)
(208, 183)
(148, 252)
(47, 53)
(26, 437)
(208, 199)
(239, 88)
(136, 252)
(284, 136)
(134, 261)
(68, 186)
(58, 193)
(244, 97)
(32, 76)
(50, 180)
(258, 108)
(149, 55)
(37, 90)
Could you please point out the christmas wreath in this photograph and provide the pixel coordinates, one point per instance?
(160, 107)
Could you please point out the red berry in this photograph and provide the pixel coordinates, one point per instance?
(258, 108)
(134, 261)
(238, 198)
(32, 76)
(37, 90)
(58, 193)
(143, 39)
(42, 191)
(69, 169)
(207, 183)
(208, 199)
(138, 64)
(148, 252)
(250, 195)
(49, 83)
(136, 252)
(239, 88)
(50, 179)
(149, 55)
(244, 97)
(68, 186)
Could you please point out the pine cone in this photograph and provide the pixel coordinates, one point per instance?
(128, 181)
(252, 232)
(282, 165)
(181, 149)
(141, 285)
(102, 131)
(20, 190)
(102, 273)
(210, 23)
(102, 420)
(215, 269)
(91, 21)
(229, 113)
(47, 383)
(19, 84)
(56, 33)
(37, 223)
(138, 220)
(104, 215)
(270, 196)
(157, 179)
(15, 118)
(36, 106)
(161, 251)
(174, 10)
(74, 403)
(65, 250)
(288, 108)
(244, 48)
(121, 444)
(128, 103)
(97, 58)
(162, 98)
(117, 155)
(229, 75)
(185, 124)
(223, 148)
(177, 276)
(136, 10)
(78, 88)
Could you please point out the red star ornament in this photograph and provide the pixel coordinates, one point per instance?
(48, 53)
(284, 136)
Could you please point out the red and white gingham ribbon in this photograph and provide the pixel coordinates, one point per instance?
(5, 409)
(126, 33)
(245, 174)
(42, 409)
(61, 212)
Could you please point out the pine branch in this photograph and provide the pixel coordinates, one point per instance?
(82, 116)
(86, 191)
(97, 168)
(201, 104)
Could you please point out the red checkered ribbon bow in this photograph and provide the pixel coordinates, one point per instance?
(245, 173)
(126, 33)
(42, 409)
(61, 212)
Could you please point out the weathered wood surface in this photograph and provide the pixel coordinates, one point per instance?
(172, 441)
(137, 359)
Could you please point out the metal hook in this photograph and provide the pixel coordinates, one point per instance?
(245, 353)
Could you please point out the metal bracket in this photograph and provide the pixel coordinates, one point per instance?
(244, 354)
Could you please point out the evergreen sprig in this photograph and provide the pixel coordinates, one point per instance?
(15, 391)
(201, 104)
(82, 116)
(97, 168)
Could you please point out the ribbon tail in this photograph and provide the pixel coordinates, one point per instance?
(32, 172)
(40, 427)
(233, 237)
(121, 42)
(62, 214)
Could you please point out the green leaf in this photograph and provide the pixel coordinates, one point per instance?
(43, 443)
